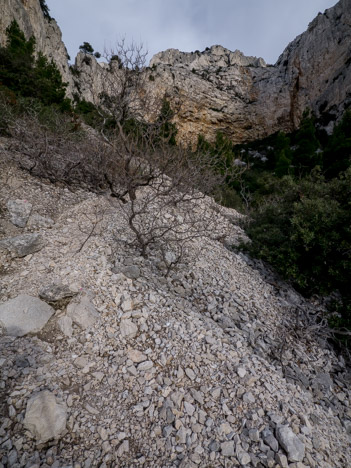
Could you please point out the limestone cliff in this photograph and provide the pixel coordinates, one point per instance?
(241, 96)
(218, 89)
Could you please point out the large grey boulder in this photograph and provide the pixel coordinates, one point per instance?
(23, 245)
(45, 418)
(19, 212)
(290, 443)
(24, 314)
(83, 314)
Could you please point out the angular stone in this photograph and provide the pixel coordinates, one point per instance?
(136, 356)
(290, 443)
(19, 212)
(55, 292)
(181, 435)
(189, 408)
(123, 448)
(23, 245)
(65, 325)
(254, 435)
(81, 362)
(214, 446)
(243, 458)
(24, 314)
(83, 314)
(190, 373)
(248, 398)
(228, 449)
(128, 328)
(167, 431)
(282, 460)
(146, 365)
(270, 440)
(45, 418)
(38, 221)
(131, 271)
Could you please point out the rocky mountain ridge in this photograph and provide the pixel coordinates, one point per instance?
(246, 99)
(219, 90)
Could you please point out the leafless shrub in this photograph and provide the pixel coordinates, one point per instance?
(309, 326)
(163, 191)
(93, 226)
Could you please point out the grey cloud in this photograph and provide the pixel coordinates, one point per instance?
(256, 27)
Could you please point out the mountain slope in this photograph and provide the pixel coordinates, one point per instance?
(210, 366)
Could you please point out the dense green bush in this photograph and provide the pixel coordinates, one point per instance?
(296, 191)
(337, 154)
(303, 230)
(28, 76)
(86, 48)
(307, 153)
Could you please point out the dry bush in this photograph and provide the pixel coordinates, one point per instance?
(163, 191)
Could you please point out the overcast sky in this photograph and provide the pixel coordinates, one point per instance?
(262, 28)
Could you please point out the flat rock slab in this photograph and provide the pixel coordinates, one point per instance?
(83, 314)
(19, 212)
(131, 271)
(128, 328)
(65, 325)
(55, 292)
(24, 314)
(45, 418)
(291, 444)
(23, 245)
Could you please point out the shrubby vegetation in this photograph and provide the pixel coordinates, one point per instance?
(45, 9)
(295, 188)
(27, 76)
(123, 155)
(296, 191)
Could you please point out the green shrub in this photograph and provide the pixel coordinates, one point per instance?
(337, 154)
(27, 76)
(307, 154)
(304, 231)
(86, 48)
(45, 9)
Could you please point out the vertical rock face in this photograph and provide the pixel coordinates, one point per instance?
(316, 66)
(224, 90)
(47, 33)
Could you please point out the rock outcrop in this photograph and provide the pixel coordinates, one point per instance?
(24, 314)
(246, 99)
(219, 90)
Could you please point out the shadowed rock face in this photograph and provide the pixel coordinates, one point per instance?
(220, 90)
